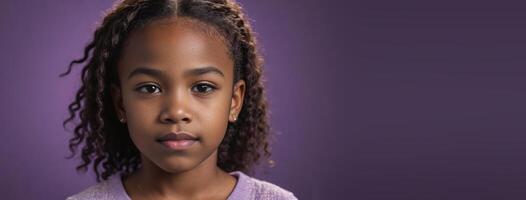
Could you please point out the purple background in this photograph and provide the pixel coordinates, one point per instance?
(373, 99)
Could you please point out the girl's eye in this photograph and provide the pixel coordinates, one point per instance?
(203, 88)
(148, 89)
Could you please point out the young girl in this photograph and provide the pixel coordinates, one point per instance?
(172, 104)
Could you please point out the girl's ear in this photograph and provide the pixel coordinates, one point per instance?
(116, 97)
(237, 100)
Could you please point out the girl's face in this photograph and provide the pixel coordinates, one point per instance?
(177, 75)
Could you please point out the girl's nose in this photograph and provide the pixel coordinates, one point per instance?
(175, 109)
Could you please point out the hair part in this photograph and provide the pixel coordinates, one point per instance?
(107, 146)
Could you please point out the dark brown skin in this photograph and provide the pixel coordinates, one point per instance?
(177, 101)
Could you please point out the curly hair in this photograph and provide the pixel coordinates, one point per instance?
(107, 143)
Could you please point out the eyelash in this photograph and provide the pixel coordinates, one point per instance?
(210, 86)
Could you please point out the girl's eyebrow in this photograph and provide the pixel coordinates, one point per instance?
(147, 71)
(191, 72)
(203, 70)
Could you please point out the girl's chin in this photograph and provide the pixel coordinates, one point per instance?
(177, 165)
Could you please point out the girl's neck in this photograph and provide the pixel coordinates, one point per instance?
(151, 181)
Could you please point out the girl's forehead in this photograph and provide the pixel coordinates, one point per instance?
(166, 33)
(178, 30)
(181, 43)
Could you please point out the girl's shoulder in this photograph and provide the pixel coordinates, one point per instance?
(110, 189)
(247, 188)
(251, 188)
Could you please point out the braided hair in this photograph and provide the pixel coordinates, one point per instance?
(106, 143)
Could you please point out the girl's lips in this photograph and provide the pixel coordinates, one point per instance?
(178, 144)
(178, 140)
(178, 136)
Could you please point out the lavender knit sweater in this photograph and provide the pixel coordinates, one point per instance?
(247, 188)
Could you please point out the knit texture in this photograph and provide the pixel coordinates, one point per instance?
(247, 188)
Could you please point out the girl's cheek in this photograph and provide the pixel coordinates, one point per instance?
(141, 112)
